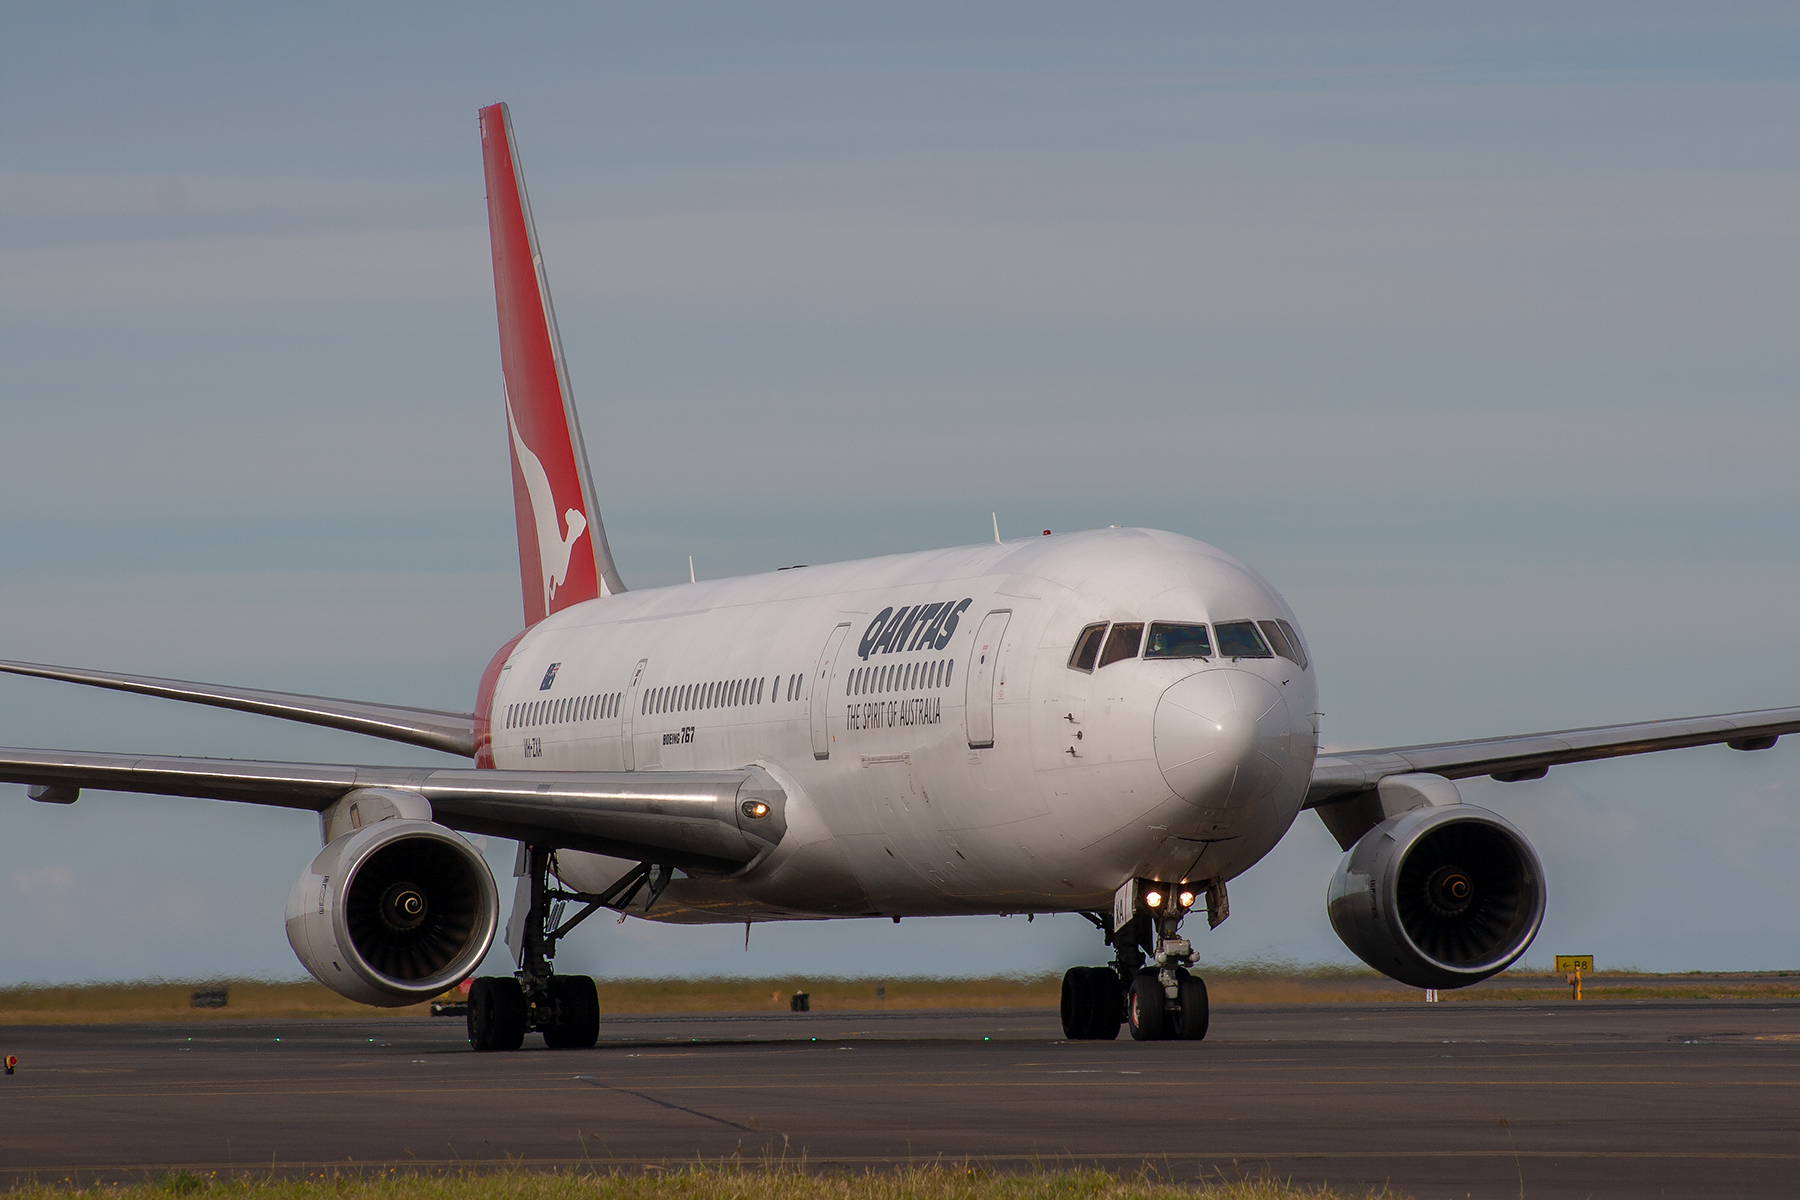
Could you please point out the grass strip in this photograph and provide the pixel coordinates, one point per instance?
(1227, 984)
(949, 1181)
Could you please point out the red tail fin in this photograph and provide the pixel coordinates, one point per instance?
(563, 555)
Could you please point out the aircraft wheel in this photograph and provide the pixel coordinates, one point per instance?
(1144, 1009)
(1092, 1006)
(1190, 1024)
(497, 1014)
(577, 1001)
(1075, 1003)
(1108, 1011)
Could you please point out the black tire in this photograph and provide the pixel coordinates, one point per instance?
(497, 1014)
(1190, 1024)
(577, 1023)
(1075, 1003)
(1108, 1011)
(1144, 1009)
(1092, 1004)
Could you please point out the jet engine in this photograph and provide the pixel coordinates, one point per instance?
(393, 913)
(1439, 897)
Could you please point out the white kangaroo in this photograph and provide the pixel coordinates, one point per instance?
(554, 549)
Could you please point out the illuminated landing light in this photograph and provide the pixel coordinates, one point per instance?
(1185, 899)
(1153, 898)
(755, 809)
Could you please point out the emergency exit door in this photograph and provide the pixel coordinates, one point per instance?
(984, 661)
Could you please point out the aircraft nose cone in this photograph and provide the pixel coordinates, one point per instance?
(1222, 738)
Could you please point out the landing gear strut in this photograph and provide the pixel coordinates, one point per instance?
(1148, 987)
(564, 1008)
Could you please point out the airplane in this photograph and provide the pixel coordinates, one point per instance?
(1116, 723)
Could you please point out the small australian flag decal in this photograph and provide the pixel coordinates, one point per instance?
(549, 677)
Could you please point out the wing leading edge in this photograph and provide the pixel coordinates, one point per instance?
(451, 732)
(1338, 777)
(717, 819)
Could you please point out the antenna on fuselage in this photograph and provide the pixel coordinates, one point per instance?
(996, 517)
(691, 578)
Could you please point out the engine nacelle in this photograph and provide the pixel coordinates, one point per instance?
(1439, 897)
(394, 913)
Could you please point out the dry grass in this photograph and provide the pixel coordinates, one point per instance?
(775, 1182)
(167, 1000)
(1227, 984)
(164, 1000)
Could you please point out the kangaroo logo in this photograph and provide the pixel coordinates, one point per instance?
(554, 549)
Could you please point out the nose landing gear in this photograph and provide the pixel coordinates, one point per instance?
(1148, 987)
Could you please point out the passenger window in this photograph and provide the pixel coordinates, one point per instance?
(949, 670)
(1239, 639)
(1278, 640)
(1087, 647)
(1294, 642)
(1122, 643)
(1169, 640)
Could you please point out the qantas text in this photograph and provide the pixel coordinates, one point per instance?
(911, 628)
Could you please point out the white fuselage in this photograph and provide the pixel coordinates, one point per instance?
(1180, 769)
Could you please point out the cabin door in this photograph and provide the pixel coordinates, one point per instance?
(984, 661)
(818, 691)
(626, 748)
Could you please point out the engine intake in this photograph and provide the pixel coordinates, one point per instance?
(1439, 897)
(393, 913)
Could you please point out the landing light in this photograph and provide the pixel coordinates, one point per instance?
(755, 808)
(1153, 898)
(1185, 899)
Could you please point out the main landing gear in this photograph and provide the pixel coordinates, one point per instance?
(1148, 987)
(564, 1008)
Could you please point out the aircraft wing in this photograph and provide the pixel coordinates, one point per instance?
(718, 819)
(1529, 756)
(451, 732)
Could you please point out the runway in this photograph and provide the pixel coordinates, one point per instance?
(1669, 1097)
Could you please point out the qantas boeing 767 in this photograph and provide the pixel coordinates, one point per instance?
(1116, 723)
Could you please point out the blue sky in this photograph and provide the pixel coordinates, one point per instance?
(1472, 331)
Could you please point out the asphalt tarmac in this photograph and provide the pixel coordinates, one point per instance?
(1684, 1098)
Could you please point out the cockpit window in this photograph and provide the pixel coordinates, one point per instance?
(1239, 639)
(1278, 640)
(1287, 644)
(1294, 641)
(1122, 643)
(1169, 640)
(1087, 647)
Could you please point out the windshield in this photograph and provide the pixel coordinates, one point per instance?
(1169, 640)
(1239, 639)
(1122, 643)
